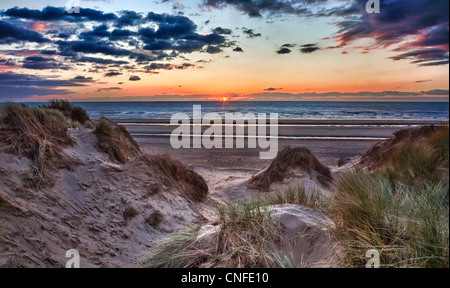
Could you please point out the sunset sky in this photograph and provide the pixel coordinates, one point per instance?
(207, 49)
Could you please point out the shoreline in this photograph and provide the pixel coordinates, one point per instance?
(304, 122)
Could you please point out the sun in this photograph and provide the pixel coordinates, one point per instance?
(224, 99)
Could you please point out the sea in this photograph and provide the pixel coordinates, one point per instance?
(285, 109)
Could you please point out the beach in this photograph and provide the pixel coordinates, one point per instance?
(329, 140)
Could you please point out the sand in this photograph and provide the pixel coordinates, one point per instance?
(111, 214)
(226, 169)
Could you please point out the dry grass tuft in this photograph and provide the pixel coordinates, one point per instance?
(246, 236)
(75, 113)
(380, 153)
(116, 141)
(287, 159)
(172, 172)
(36, 133)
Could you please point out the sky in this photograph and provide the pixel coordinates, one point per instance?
(160, 50)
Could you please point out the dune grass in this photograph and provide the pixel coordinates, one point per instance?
(75, 113)
(115, 141)
(287, 158)
(173, 173)
(37, 133)
(248, 236)
(400, 209)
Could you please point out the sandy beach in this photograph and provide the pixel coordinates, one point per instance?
(329, 140)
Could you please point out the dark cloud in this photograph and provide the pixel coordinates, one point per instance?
(309, 48)
(82, 79)
(184, 66)
(129, 18)
(43, 63)
(113, 74)
(255, 8)
(213, 50)
(135, 78)
(49, 52)
(272, 89)
(288, 45)
(133, 39)
(17, 86)
(59, 14)
(13, 34)
(102, 61)
(159, 66)
(284, 51)
(250, 33)
(222, 31)
(424, 23)
(8, 62)
(13, 79)
(238, 49)
(425, 57)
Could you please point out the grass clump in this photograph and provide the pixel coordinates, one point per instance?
(400, 207)
(408, 225)
(172, 172)
(74, 113)
(247, 236)
(36, 133)
(288, 158)
(115, 141)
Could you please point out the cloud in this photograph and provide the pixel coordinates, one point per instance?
(167, 66)
(113, 74)
(99, 60)
(129, 18)
(284, 51)
(254, 8)
(272, 89)
(131, 38)
(108, 89)
(250, 33)
(222, 31)
(135, 78)
(425, 57)
(82, 79)
(419, 28)
(213, 50)
(13, 34)
(18, 86)
(309, 48)
(59, 14)
(238, 49)
(43, 63)
(8, 62)
(13, 79)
